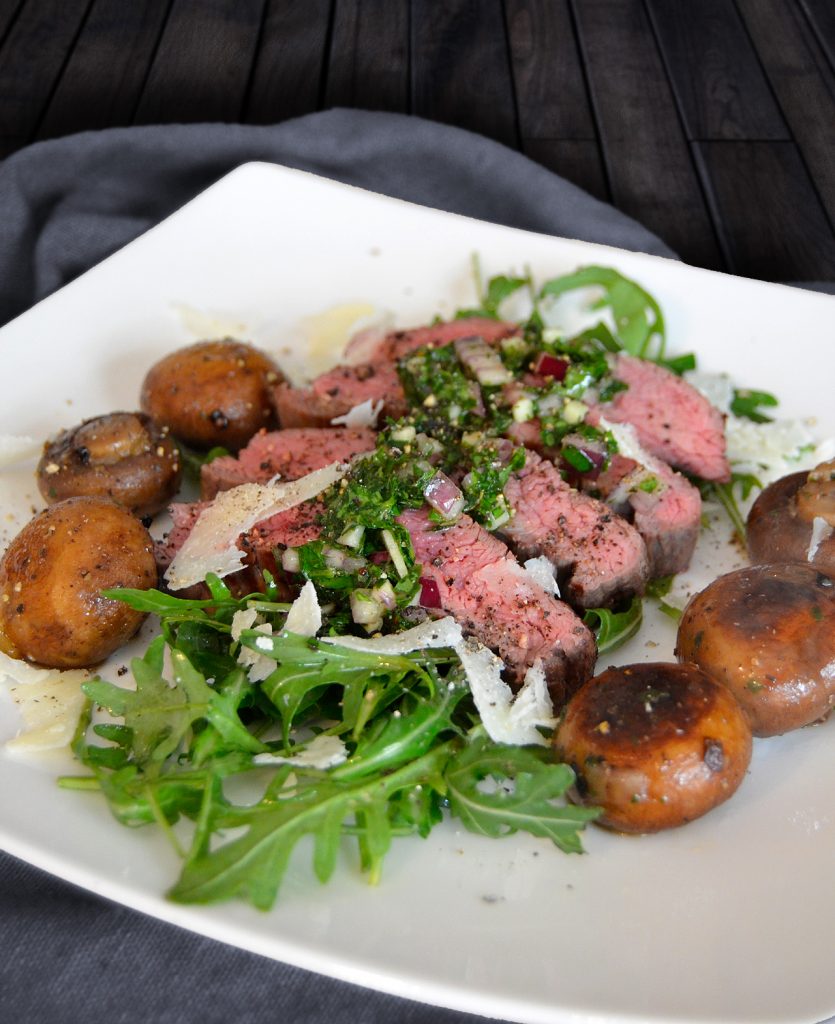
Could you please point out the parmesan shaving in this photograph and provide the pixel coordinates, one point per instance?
(212, 544)
(322, 752)
(257, 666)
(543, 573)
(434, 633)
(821, 531)
(305, 615)
(50, 703)
(363, 415)
(507, 720)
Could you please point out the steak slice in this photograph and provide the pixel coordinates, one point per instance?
(337, 391)
(673, 420)
(493, 599)
(402, 343)
(667, 513)
(599, 557)
(289, 453)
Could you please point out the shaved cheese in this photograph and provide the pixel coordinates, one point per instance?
(363, 415)
(50, 702)
(505, 719)
(434, 633)
(257, 666)
(322, 752)
(305, 615)
(212, 544)
(821, 531)
(543, 573)
(15, 449)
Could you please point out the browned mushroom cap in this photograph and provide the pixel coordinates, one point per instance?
(123, 456)
(781, 522)
(767, 632)
(213, 393)
(51, 577)
(654, 746)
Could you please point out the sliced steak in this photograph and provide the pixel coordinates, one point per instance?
(336, 392)
(673, 420)
(401, 343)
(289, 453)
(492, 598)
(664, 506)
(599, 557)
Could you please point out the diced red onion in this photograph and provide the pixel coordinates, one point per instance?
(551, 366)
(333, 558)
(385, 594)
(483, 362)
(444, 496)
(430, 595)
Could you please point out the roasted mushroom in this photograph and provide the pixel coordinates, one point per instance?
(123, 456)
(767, 632)
(654, 745)
(793, 520)
(51, 577)
(212, 393)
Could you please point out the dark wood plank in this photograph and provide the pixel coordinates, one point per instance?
(103, 79)
(202, 65)
(821, 15)
(287, 78)
(551, 95)
(648, 162)
(578, 161)
(803, 82)
(460, 66)
(719, 84)
(369, 56)
(31, 61)
(772, 225)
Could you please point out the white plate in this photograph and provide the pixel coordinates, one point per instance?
(731, 919)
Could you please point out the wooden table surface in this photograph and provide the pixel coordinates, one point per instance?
(710, 121)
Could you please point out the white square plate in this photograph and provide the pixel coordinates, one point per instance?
(731, 919)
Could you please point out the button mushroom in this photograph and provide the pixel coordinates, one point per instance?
(123, 456)
(793, 520)
(51, 577)
(767, 632)
(212, 393)
(653, 745)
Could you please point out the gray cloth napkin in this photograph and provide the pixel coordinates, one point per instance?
(65, 205)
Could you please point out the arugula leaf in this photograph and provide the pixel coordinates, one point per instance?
(497, 790)
(159, 715)
(746, 403)
(639, 322)
(725, 496)
(614, 628)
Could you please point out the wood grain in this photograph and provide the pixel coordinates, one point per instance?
(720, 87)
(106, 71)
(551, 94)
(203, 62)
(32, 58)
(803, 82)
(579, 161)
(771, 222)
(648, 161)
(287, 77)
(369, 57)
(460, 66)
